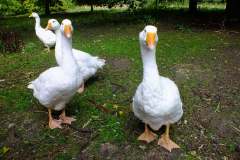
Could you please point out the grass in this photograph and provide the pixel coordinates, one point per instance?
(116, 40)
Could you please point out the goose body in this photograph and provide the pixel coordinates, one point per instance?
(54, 88)
(89, 64)
(48, 38)
(157, 100)
(57, 85)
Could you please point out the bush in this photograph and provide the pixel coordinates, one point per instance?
(14, 7)
(10, 42)
(61, 5)
(8, 7)
(31, 6)
(134, 4)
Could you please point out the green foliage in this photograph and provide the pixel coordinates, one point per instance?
(31, 5)
(10, 7)
(61, 5)
(66, 4)
(109, 3)
(13, 7)
(136, 4)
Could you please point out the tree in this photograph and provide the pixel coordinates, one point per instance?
(192, 6)
(156, 3)
(232, 9)
(91, 2)
(47, 7)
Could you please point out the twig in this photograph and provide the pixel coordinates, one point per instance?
(100, 107)
(83, 130)
(40, 112)
(238, 130)
(87, 123)
(118, 85)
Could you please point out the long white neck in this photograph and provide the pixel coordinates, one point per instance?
(58, 54)
(37, 22)
(68, 63)
(150, 68)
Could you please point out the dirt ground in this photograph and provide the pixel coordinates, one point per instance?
(209, 130)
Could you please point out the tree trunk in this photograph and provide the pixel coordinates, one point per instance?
(91, 7)
(232, 9)
(192, 6)
(156, 4)
(47, 7)
(91, 1)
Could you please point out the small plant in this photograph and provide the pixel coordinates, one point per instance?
(135, 4)
(62, 5)
(182, 28)
(10, 42)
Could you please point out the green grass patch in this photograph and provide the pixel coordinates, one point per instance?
(113, 87)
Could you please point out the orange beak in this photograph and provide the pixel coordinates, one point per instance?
(68, 31)
(49, 26)
(150, 40)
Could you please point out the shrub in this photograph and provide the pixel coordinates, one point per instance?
(10, 42)
(8, 7)
(61, 5)
(136, 4)
(31, 5)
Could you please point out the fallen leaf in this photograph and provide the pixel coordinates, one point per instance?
(5, 149)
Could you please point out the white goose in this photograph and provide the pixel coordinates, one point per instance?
(57, 85)
(157, 100)
(89, 64)
(48, 38)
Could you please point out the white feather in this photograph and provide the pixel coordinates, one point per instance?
(157, 100)
(57, 85)
(89, 64)
(48, 38)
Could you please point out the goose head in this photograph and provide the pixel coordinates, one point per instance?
(148, 37)
(53, 25)
(66, 28)
(34, 15)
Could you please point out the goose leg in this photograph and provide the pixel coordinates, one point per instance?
(147, 136)
(53, 123)
(65, 119)
(81, 89)
(166, 142)
(47, 48)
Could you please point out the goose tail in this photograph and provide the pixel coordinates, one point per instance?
(30, 86)
(100, 62)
